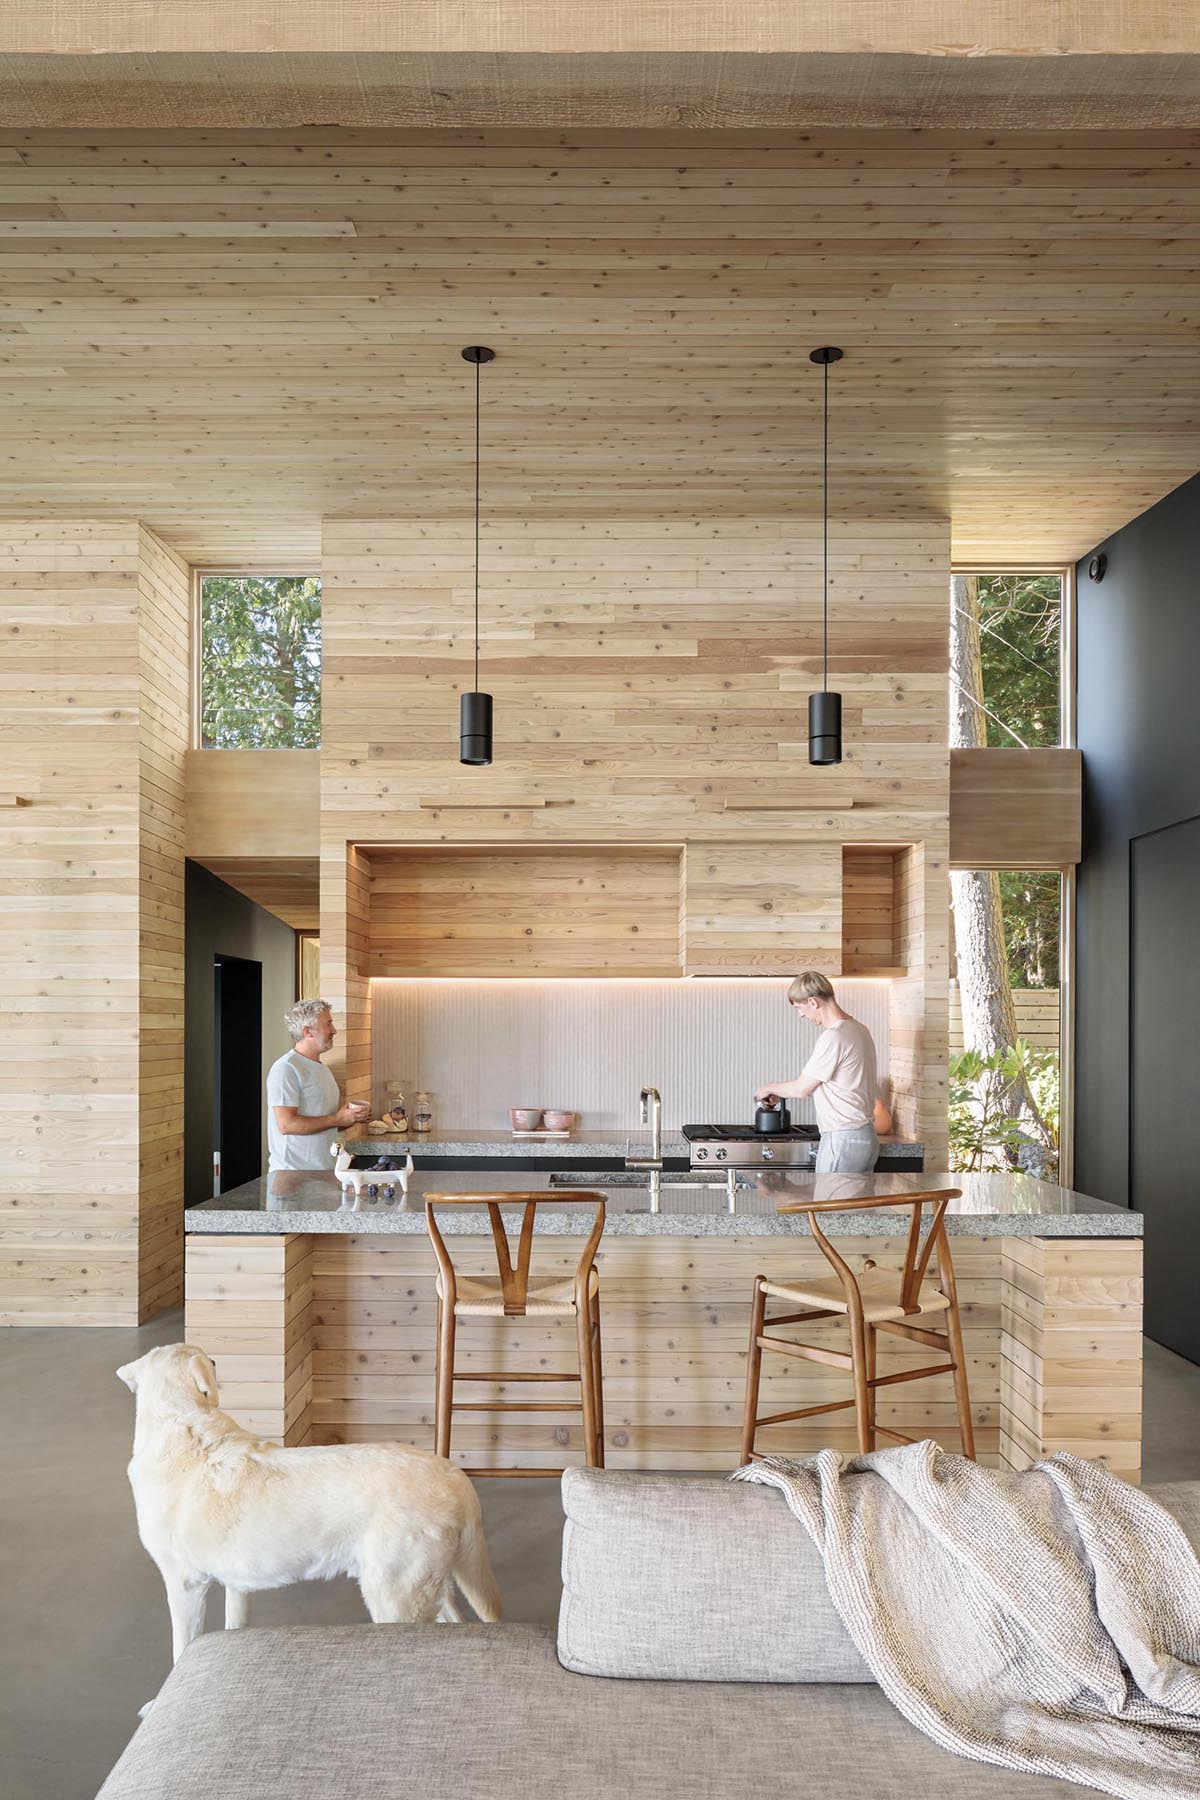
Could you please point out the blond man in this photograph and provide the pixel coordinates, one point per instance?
(840, 1077)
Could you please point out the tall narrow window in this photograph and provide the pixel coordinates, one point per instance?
(1005, 1032)
(1006, 692)
(260, 662)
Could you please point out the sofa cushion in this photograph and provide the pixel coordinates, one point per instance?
(675, 1578)
(485, 1712)
(678, 1578)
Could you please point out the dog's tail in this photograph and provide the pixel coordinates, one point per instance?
(473, 1573)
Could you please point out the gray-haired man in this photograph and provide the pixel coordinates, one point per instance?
(303, 1115)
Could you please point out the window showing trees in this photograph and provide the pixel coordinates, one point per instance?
(1005, 690)
(260, 662)
(1005, 1021)
(1005, 644)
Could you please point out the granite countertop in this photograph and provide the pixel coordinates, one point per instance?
(580, 1145)
(991, 1206)
(496, 1141)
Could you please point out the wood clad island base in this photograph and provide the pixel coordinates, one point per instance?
(330, 1338)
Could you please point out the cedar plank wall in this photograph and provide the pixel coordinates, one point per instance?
(164, 727)
(92, 734)
(674, 1313)
(650, 680)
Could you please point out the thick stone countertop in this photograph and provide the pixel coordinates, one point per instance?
(991, 1206)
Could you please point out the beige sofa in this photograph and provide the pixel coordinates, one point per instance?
(697, 1656)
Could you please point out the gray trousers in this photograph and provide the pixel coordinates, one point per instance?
(847, 1152)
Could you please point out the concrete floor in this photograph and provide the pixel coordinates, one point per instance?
(85, 1636)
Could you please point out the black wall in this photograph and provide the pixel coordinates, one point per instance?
(1139, 729)
(220, 921)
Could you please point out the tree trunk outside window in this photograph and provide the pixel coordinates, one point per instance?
(988, 1014)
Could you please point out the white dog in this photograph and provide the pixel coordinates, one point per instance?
(215, 1503)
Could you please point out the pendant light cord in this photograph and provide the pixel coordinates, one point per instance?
(477, 368)
(825, 509)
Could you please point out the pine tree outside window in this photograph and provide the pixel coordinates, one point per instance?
(260, 662)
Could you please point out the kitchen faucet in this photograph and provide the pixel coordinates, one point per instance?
(650, 1106)
(650, 1102)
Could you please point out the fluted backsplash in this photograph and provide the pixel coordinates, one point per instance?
(587, 1046)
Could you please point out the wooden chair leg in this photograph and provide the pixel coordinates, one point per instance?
(753, 1369)
(862, 1393)
(597, 1380)
(966, 1430)
(587, 1370)
(872, 1345)
(437, 1376)
(445, 1379)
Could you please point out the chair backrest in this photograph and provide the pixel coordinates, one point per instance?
(916, 1253)
(514, 1275)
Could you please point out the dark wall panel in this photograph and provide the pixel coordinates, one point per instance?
(1164, 1183)
(1138, 655)
(221, 922)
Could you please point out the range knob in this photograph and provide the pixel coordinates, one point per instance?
(768, 1155)
(721, 1155)
(702, 1155)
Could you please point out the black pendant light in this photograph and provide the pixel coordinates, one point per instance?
(475, 709)
(825, 709)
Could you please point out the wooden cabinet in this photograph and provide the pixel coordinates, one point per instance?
(726, 908)
(554, 910)
(762, 909)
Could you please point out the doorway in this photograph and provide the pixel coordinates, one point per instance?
(237, 1077)
(1164, 986)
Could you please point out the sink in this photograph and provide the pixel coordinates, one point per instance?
(639, 1178)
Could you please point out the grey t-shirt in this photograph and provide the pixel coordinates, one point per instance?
(298, 1081)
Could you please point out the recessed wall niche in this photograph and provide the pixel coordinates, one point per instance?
(601, 910)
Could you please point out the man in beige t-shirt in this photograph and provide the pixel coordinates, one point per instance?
(841, 1077)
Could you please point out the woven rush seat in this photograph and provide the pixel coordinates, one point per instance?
(880, 1290)
(901, 1303)
(547, 1296)
(515, 1292)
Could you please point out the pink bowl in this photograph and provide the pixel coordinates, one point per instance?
(558, 1121)
(525, 1118)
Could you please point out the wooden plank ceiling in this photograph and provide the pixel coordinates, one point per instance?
(232, 334)
(940, 28)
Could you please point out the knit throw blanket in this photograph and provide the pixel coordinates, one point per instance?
(1047, 1621)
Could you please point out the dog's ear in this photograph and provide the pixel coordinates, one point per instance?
(129, 1375)
(203, 1377)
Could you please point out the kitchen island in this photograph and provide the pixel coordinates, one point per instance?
(321, 1317)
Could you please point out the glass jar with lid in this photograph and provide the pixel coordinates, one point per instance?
(423, 1111)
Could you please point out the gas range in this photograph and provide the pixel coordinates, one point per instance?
(741, 1146)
